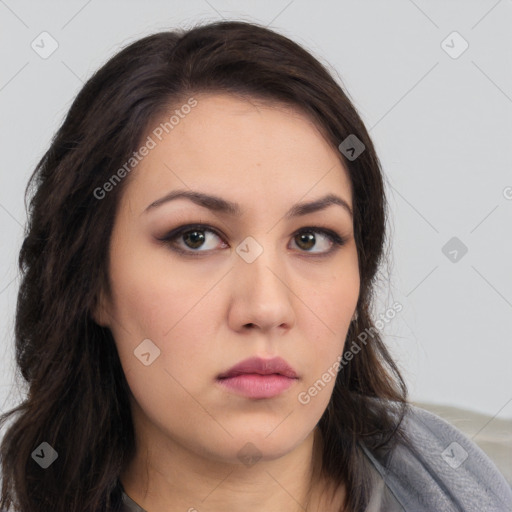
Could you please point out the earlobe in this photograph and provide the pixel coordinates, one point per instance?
(99, 313)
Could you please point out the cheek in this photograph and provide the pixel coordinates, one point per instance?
(154, 293)
(175, 324)
(174, 311)
(324, 322)
(329, 301)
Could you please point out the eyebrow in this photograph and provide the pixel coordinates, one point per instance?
(220, 205)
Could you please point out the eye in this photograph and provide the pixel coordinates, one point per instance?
(194, 239)
(307, 239)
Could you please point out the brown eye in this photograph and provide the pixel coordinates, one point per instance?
(200, 239)
(317, 241)
(306, 241)
(194, 239)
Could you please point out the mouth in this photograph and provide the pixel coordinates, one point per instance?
(259, 378)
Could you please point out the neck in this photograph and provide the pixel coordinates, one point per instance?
(174, 478)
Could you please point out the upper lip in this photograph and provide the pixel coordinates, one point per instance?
(261, 366)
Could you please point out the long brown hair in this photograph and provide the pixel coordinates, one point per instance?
(77, 398)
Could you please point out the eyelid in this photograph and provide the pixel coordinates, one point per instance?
(336, 239)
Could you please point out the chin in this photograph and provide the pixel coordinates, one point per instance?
(250, 447)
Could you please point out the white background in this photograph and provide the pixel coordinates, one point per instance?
(442, 127)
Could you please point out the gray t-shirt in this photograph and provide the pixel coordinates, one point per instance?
(442, 471)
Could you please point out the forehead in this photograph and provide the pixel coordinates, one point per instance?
(241, 148)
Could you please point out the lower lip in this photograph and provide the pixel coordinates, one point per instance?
(253, 385)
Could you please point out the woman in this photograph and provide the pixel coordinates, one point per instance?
(194, 319)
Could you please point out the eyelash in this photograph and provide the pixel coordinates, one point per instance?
(170, 238)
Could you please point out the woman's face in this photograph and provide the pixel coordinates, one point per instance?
(263, 281)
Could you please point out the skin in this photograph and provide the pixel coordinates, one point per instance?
(208, 312)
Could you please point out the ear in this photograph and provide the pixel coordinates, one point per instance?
(100, 312)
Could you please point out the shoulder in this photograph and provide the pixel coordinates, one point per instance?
(438, 468)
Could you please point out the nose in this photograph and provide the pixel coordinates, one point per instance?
(262, 294)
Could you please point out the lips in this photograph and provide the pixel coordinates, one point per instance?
(259, 366)
(258, 378)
